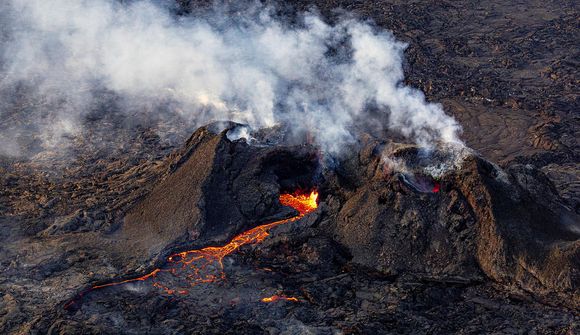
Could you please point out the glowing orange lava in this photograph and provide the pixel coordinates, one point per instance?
(205, 265)
(275, 298)
(303, 203)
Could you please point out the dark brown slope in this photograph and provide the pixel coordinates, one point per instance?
(509, 226)
(214, 189)
(172, 210)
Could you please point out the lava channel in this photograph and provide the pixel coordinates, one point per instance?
(198, 266)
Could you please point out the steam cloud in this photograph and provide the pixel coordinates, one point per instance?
(250, 68)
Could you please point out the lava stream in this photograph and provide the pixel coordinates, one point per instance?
(205, 265)
(275, 298)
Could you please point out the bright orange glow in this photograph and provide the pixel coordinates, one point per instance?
(201, 260)
(205, 265)
(275, 298)
(303, 203)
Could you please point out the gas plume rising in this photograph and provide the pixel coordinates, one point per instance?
(250, 67)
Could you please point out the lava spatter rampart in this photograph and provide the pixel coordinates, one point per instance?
(193, 267)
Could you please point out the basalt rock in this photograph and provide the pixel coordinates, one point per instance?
(509, 226)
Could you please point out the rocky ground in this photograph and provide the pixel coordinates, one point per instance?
(495, 250)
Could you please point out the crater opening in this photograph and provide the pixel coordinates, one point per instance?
(296, 171)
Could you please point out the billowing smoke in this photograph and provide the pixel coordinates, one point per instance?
(253, 69)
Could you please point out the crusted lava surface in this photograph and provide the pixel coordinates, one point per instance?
(484, 248)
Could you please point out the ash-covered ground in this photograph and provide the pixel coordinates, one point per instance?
(494, 250)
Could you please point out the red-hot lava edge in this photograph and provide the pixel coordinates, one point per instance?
(205, 265)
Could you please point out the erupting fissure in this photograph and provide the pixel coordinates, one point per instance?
(193, 267)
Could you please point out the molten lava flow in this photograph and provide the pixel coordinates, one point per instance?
(303, 203)
(205, 265)
(275, 298)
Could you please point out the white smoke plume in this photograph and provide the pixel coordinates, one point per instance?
(251, 69)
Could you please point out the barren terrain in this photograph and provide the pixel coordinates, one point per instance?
(494, 250)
